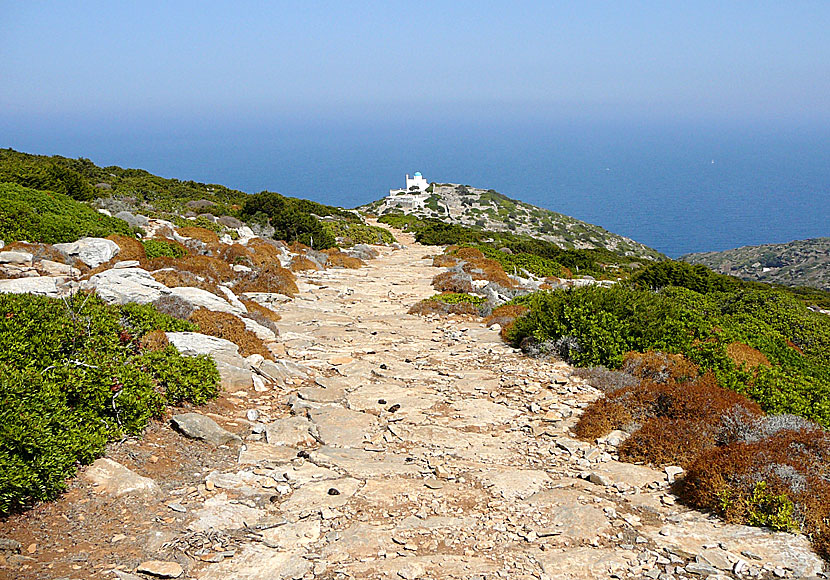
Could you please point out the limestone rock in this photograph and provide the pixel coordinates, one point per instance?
(136, 221)
(53, 287)
(113, 478)
(16, 257)
(161, 569)
(342, 427)
(218, 513)
(91, 251)
(198, 426)
(124, 285)
(199, 298)
(291, 431)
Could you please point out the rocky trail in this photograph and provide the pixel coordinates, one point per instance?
(384, 445)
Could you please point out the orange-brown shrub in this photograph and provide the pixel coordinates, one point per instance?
(237, 254)
(677, 420)
(153, 340)
(600, 418)
(792, 463)
(39, 251)
(212, 270)
(743, 354)
(300, 263)
(452, 282)
(444, 261)
(341, 260)
(504, 315)
(202, 234)
(174, 278)
(229, 327)
(659, 366)
(427, 307)
(469, 254)
(270, 278)
(264, 252)
(298, 247)
(264, 311)
(487, 269)
(131, 248)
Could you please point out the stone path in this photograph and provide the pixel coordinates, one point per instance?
(397, 446)
(429, 449)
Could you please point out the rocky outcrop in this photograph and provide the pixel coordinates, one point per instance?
(91, 251)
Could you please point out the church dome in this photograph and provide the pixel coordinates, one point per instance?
(417, 174)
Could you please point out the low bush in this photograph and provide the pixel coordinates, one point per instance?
(202, 234)
(206, 268)
(89, 381)
(229, 327)
(237, 254)
(257, 308)
(352, 233)
(453, 281)
(293, 219)
(430, 307)
(338, 259)
(270, 278)
(458, 298)
(51, 218)
(301, 263)
(157, 248)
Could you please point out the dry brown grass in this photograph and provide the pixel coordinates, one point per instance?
(428, 307)
(154, 340)
(264, 252)
(229, 327)
(211, 270)
(744, 355)
(300, 263)
(270, 278)
(237, 254)
(487, 269)
(452, 282)
(131, 248)
(256, 307)
(444, 261)
(211, 239)
(338, 259)
(677, 420)
(175, 278)
(469, 254)
(793, 463)
(504, 315)
(659, 366)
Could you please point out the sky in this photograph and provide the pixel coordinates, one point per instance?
(98, 63)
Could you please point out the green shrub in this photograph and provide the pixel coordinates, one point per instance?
(51, 218)
(162, 249)
(457, 298)
(292, 219)
(72, 376)
(594, 326)
(357, 233)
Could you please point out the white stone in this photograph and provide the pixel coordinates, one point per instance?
(91, 251)
(53, 287)
(123, 285)
(199, 298)
(113, 478)
(16, 257)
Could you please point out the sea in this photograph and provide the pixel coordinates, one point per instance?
(677, 187)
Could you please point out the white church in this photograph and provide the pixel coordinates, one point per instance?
(414, 185)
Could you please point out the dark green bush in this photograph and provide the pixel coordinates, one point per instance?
(358, 233)
(72, 376)
(595, 326)
(51, 218)
(457, 298)
(293, 220)
(162, 249)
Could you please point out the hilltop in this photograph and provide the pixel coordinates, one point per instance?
(488, 210)
(796, 263)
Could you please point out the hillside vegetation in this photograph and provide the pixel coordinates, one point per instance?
(797, 263)
(490, 211)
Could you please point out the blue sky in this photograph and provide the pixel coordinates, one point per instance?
(243, 61)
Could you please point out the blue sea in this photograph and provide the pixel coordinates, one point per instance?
(678, 187)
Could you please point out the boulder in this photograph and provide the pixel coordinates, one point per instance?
(15, 257)
(91, 251)
(123, 285)
(113, 478)
(54, 287)
(230, 222)
(199, 298)
(135, 221)
(233, 369)
(50, 268)
(198, 426)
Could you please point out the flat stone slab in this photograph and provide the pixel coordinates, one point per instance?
(218, 513)
(198, 426)
(113, 478)
(39, 286)
(432, 566)
(343, 427)
(293, 431)
(321, 395)
(408, 400)
(514, 483)
(364, 464)
(290, 536)
(569, 516)
(584, 563)
(480, 413)
(161, 569)
(360, 540)
(779, 549)
(259, 562)
(633, 475)
(316, 495)
(258, 453)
